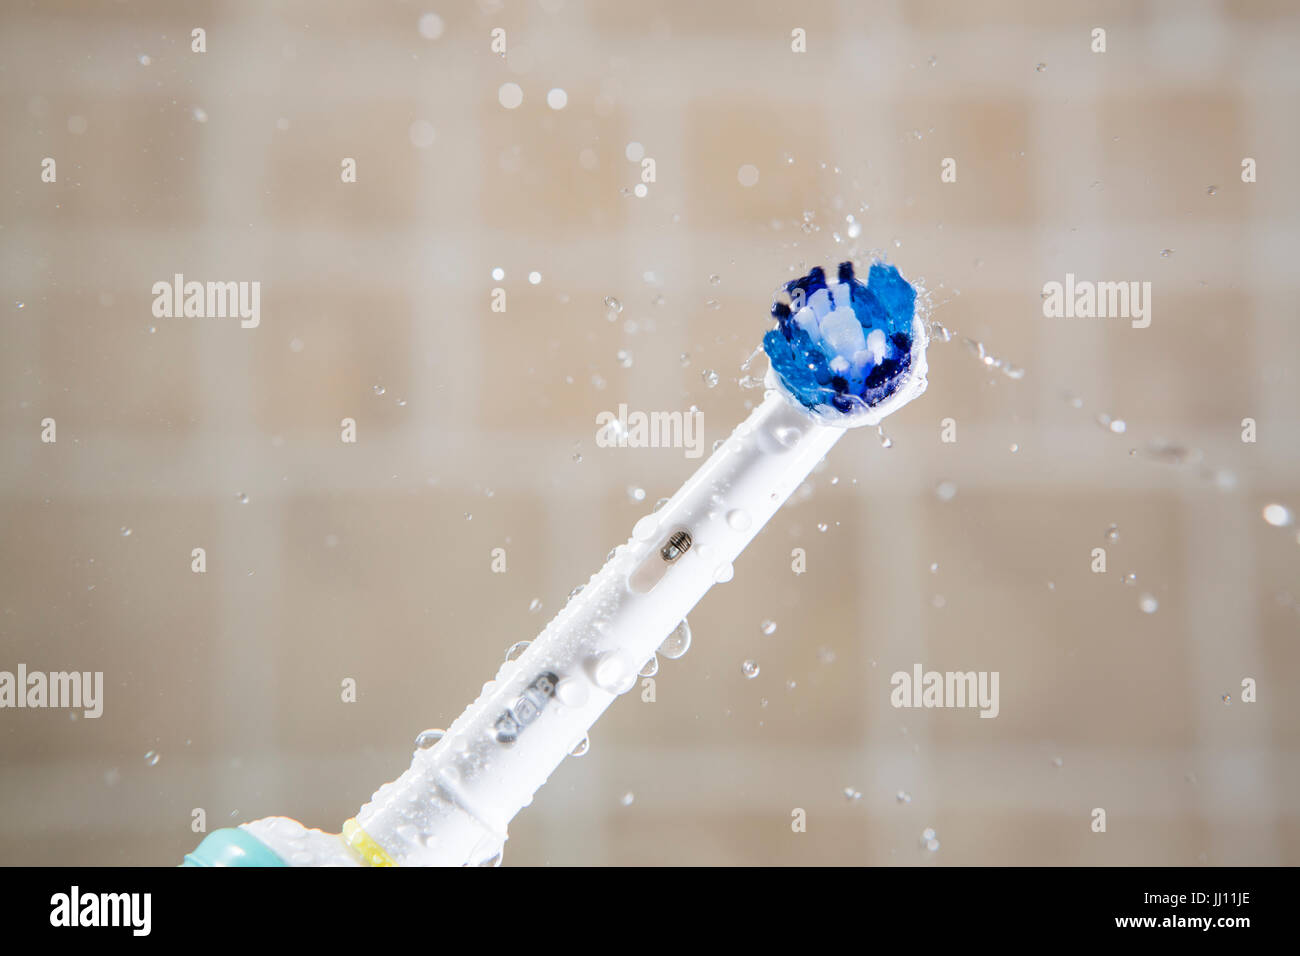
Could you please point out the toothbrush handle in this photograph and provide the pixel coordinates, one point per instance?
(453, 805)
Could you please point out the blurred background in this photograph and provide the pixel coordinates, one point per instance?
(476, 429)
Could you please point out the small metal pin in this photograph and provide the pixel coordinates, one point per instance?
(677, 545)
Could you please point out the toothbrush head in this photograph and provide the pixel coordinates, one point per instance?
(849, 352)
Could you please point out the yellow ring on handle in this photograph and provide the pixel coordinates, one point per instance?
(363, 845)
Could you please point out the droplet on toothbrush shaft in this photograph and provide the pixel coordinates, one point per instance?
(427, 738)
(676, 644)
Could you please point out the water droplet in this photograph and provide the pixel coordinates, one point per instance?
(710, 377)
(903, 796)
(822, 526)
(1148, 604)
(645, 529)
(1130, 578)
(242, 498)
(535, 605)
(534, 278)
(510, 95)
(650, 667)
(498, 273)
(152, 758)
(677, 643)
(851, 794)
(934, 567)
(750, 669)
(1211, 190)
(1279, 516)
(1015, 447)
(1112, 533)
(124, 532)
(660, 503)
(614, 673)
(624, 358)
(738, 519)
(1040, 68)
(628, 799)
(427, 738)
(768, 627)
(787, 436)
(576, 591)
(724, 572)
(581, 747)
(1227, 699)
(946, 490)
(379, 389)
(1166, 253)
(516, 650)
(572, 691)
(1058, 762)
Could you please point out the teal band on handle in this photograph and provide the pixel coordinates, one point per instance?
(232, 846)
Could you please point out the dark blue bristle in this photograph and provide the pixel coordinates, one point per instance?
(846, 271)
(781, 312)
(814, 281)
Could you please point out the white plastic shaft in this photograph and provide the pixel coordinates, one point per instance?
(453, 805)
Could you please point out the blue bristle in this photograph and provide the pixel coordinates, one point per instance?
(886, 301)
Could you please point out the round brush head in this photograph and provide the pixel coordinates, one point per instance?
(847, 351)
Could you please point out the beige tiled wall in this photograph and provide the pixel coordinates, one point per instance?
(373, 561)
